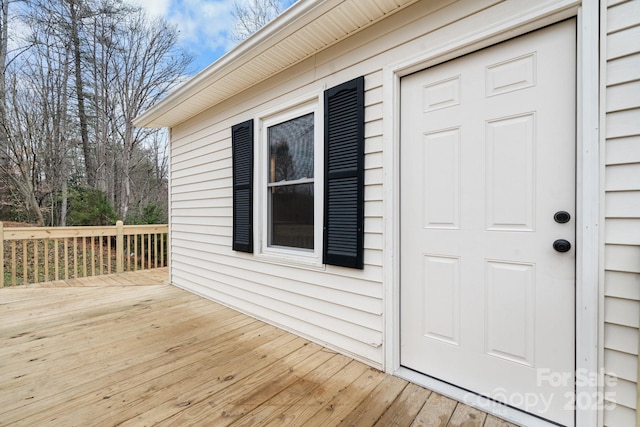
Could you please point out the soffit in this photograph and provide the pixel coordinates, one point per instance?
(306, 28)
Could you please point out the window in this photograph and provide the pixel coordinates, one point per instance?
(290, 191)
(290, 182)
(311, 180)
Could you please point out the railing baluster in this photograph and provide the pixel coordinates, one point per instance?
(109, 254)
(147, 252)
(36, 272)
(142, 249)
(46, 260)
(128, 252)
(135, 252)
(93, 255)
(119, 246)
(101, 240)
(56, 267)
(66, 259)
(75, 257)
(25, 257)
(84, 257)
(13, 264)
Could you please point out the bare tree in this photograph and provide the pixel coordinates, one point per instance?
(147, 66)
(91, 66)
(74, 35)
(4, 50)
(19, 154)
(4, 43)
(49, 77)
(251, 15)
(22, 151)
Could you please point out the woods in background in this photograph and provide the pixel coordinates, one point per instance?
(75, 73)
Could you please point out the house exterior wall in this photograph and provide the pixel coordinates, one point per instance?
(336, 306)
(345, 308)
(621, 133)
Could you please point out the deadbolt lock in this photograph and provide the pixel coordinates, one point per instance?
(562, 217)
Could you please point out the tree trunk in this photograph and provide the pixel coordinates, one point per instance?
(127, 153)
(34, 207)
(90, 168)
(63, 204)
(4, 40)
(26, 189)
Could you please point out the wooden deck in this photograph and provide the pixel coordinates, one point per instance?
(130, 349)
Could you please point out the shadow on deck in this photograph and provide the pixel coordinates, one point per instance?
(131, 349)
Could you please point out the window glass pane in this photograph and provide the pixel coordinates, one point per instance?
(291, 216)
(291, 149)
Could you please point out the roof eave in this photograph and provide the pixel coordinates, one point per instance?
(282, 43)
(295, 17)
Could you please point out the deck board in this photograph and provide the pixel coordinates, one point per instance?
(405, 408)
(311, 403)
(131, 349)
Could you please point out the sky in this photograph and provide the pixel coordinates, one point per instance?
(204, 25)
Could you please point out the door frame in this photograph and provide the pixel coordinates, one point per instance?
(588, 194)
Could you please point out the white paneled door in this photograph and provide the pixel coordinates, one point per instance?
(487, 214)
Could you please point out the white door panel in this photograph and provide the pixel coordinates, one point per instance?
(487, 159)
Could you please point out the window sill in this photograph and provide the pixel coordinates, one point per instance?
(291, 258)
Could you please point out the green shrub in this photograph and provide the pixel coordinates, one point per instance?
(151, 213)
(88, 206)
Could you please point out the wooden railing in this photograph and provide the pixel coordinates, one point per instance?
(41, 254)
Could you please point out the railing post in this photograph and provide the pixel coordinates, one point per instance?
(119, 247)
(1, 255)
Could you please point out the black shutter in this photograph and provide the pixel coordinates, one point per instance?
(344, 174)
(242, 153)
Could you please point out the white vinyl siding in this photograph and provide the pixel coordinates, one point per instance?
(336, 306)
(373, 172)
(622, 208)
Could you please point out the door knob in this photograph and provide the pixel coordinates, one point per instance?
(561, 245)
(561, 217)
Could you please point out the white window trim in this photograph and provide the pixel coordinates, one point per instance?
(282, 255)
(588, 194)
